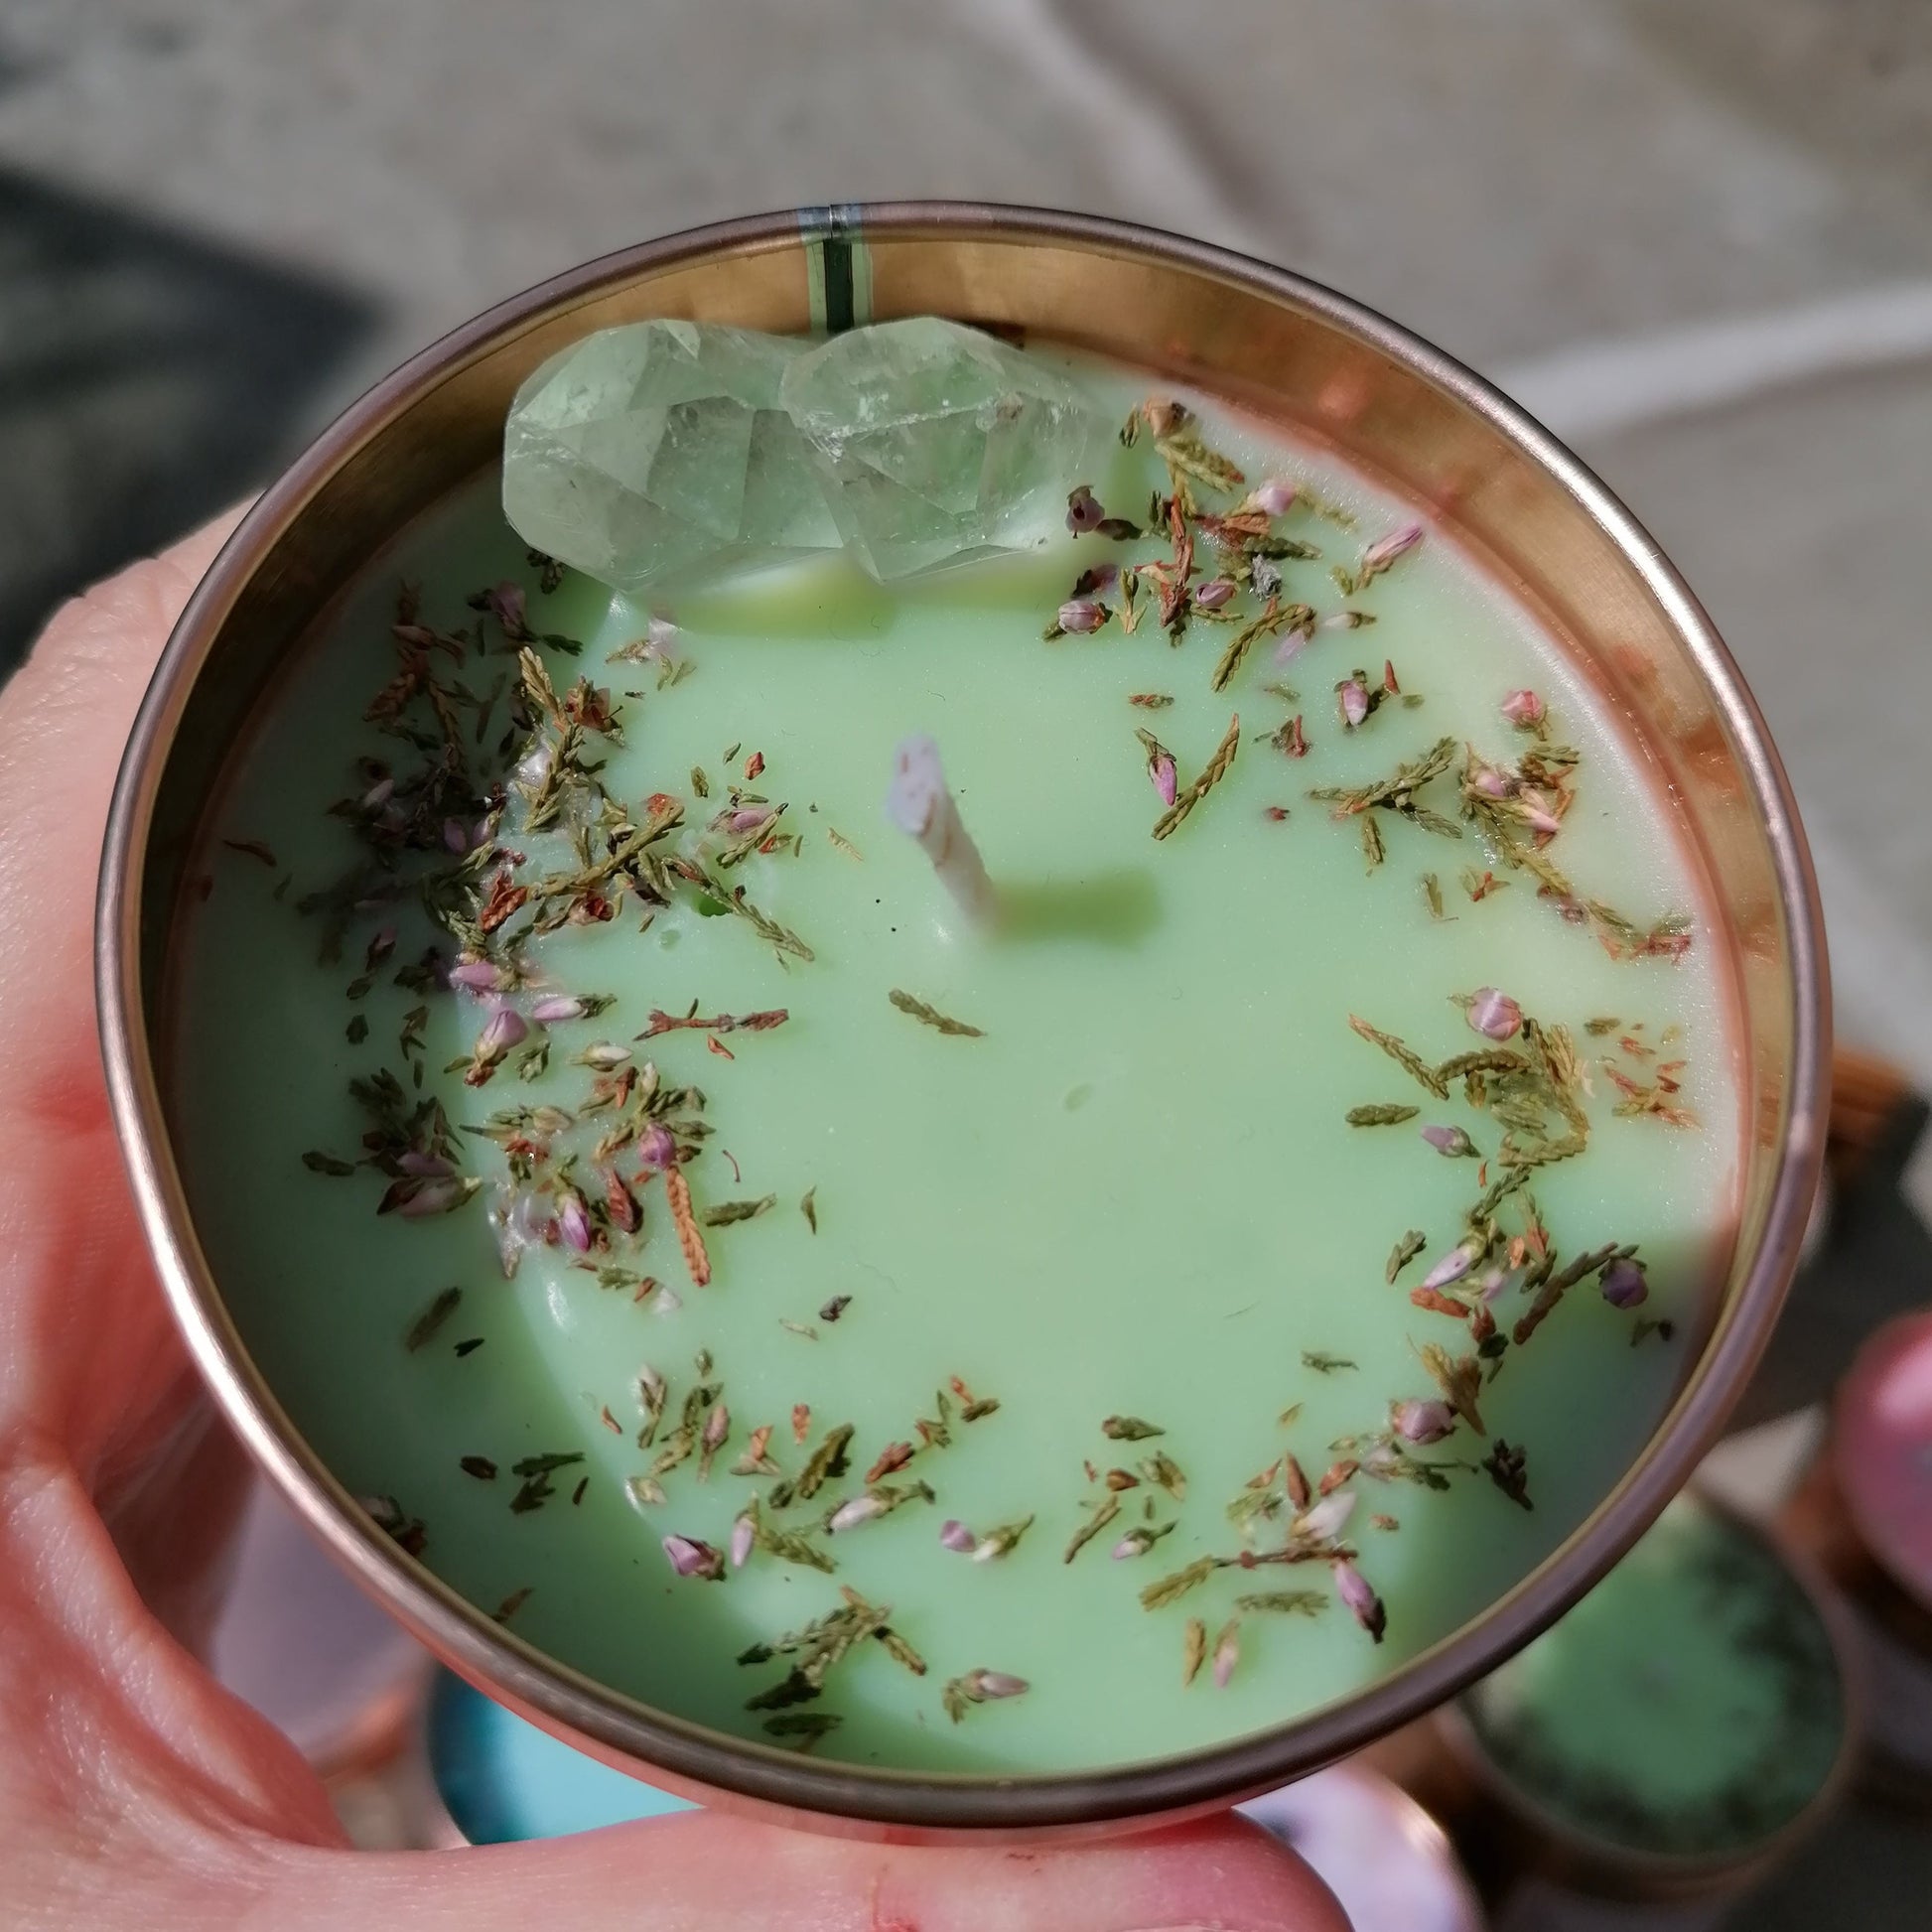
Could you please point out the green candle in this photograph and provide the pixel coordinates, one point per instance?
(1688, 1708)
(1075, 1207)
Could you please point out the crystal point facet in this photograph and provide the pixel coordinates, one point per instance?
(937, 442)
(659, 448)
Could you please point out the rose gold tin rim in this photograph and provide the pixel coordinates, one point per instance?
(850, 1798)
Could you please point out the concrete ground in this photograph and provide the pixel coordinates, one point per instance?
(1697, 239)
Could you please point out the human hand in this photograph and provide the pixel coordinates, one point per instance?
(133, 1789)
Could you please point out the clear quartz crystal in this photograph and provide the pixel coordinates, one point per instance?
(658, 448)
(937, 442)
(671, 449)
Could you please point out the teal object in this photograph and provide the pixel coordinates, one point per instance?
(504, 1781)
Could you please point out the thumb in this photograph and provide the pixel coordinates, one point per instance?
(706, 1872)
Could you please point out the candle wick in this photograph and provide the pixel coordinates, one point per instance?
(921, 807)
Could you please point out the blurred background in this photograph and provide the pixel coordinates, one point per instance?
(1696, 241)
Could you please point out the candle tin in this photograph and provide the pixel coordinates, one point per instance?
(1324, 368)
(1513, 1834)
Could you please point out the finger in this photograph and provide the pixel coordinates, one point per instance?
(123, 1764)
(64, 720)
(86, 1355)
(94, 660)
(172, 1518)
(708, 1872)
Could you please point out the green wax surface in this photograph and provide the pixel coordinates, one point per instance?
(1689, 1705)
(1136, 1194)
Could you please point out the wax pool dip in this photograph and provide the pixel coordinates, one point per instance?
(1011, 1346)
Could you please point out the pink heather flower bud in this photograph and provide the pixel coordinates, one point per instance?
(436, 1197)
(861, 1509)
(1490, 783)
(1452, 1141)
(717, 1425)
(956, 1536)
(1353, 694)
(476, 976)
(506, 606)
(426, 1167)
(1161, 770)
(1214, 593)
(691, 1558)
(1103, 576)
(378, 794)
(1523, 709)
(555, 1008)
(1453, 1265)
(573, 1221)
(1081, 614)
(604, 1055)
(1495, 1016)
(1536, 808)
(748, 818)
(656, 1148)
(454, 837)
(995, 1684)
(1276, 496)
(1327, 1518)
(1354, 1591)
(1624, 1284)
(1082, 512)
(1423, 1422)
(743, 1533)
(1228, 1653)
(504, 1029)
(1385, 550)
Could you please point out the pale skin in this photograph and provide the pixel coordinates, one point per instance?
(134, 1791)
